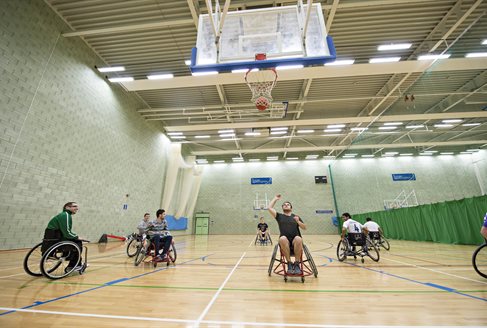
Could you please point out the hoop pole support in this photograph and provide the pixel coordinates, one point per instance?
(306, 21)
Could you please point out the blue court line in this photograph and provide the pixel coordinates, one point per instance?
(37, 303)
(447, 289)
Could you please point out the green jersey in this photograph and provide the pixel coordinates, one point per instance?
(63, 222)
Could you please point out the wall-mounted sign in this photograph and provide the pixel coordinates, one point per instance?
(321, 179)
(403, 177)
(261, 181)
(324, 211)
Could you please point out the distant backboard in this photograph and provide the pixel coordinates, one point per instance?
(288, 35)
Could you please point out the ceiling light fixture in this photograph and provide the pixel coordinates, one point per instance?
(476, 54)
(121, 79)
(204, 73)
(341, 62)
(397, 46)
(332, 130)
(433, 57)
(384, 60)
(160, 76)
(415, 126)
(110, 69)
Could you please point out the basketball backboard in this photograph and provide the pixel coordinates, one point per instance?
(288, 35)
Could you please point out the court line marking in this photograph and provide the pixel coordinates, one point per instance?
(205, 311)
(374, 291)
(437, 271)
(220, 322)
(453, 291)
(94, 288)
(13, 275)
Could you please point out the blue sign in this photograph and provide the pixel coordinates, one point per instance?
(261, 181)
(404, 177)
(324, 211)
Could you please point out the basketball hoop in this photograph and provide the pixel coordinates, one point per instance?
(261, 84)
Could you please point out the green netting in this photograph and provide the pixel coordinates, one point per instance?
(452, 222)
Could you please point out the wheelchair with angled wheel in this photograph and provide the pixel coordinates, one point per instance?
(146, 252)
(56, 259)
(307, 265)
(357, 245)
(133, 243)
(263, 238)
(378, 240)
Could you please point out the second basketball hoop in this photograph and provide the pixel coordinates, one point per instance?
(261, 82)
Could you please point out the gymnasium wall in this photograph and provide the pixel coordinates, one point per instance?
(227, 193)
(67, 134)
(361, 185)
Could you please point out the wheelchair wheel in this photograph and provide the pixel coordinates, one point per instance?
(310, 260)
(140, 255)
(270, 239)
(55, 261)
(384, 243)
(273, 259)
(172, 254)
(372, 251)
(479, 260)
(32, 261)
(256, 238)
(132, 247)
(342, 250)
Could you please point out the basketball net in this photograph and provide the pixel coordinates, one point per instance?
(261, 84)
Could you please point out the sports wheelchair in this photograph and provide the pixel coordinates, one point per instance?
(348, 247)
(378, 240)
(263, 238)
(133, 242)
(52, 260)
(307, 265)
(146, 249)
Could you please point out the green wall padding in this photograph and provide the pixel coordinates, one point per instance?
(452, 222)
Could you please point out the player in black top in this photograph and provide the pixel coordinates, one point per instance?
(262, 229)
(290, 236)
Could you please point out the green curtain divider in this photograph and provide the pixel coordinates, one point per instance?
(452, 222)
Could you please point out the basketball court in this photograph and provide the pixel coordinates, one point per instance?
(222, 281)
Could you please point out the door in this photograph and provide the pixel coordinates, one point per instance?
(201, 223)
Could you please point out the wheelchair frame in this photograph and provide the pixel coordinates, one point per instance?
(263, 241)
(53, 263)
(344, 249)
(307, 265)
(379, 241)
(148, 250)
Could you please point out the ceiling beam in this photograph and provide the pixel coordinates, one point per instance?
(413, 66)
(325, 121)
(195, 11)
(357, 147)
(126, 28)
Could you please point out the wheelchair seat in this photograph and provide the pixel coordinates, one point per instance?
(356, 239)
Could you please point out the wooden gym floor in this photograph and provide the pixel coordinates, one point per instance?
(222, 281)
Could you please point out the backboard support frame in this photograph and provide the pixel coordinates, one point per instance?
(218, 52)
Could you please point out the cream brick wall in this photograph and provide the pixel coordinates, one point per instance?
(67, 134)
